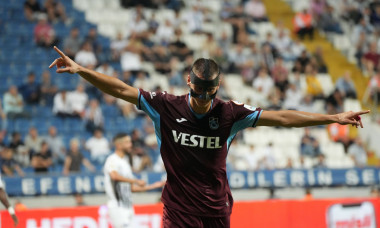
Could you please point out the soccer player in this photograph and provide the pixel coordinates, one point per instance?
(120, 182)
(5, 202)
(194, 132)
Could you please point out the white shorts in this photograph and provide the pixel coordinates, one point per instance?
(120, 217)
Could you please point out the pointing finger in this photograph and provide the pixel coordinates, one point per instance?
(362, 112)
(59, 52)
(53, 63)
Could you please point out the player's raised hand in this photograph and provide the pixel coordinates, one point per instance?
(352, 118)
(64, 63)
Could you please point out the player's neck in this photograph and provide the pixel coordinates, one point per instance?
(200, 108)
(119, 153)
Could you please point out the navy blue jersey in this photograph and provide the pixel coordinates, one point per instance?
(194, 149)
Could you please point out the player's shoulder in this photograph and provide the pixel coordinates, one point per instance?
(240, 105)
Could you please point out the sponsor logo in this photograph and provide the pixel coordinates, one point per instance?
(213, 122)
(181, 120)
(200, 141)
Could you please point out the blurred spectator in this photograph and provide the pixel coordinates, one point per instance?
(142, 81)
(252, 159)
(375, 192)
(317, 8)
(194, 19)
(272, 194)
(303, 60)
(373, 90)
(44, 34)
(313, 86)
(106, 68)
(141, 161)
(48, 89)
(161, 60)
(98, 146)
(178, 48)
(75, 159)
(303, 25)
(56, 11)
(56, 145)
(375, 17)
(237, 59)
(14, 104)
(31, 90)
(283, 45)
(321, 64)
(93, 116)
(42, 160)
(346, 86)
(32, 9)
(267, 160)
(79, 200)
(309, 146)
(61, 106)
(77, 100)
(21, 152)
(92, 38)
(279, 74)
(373, 159)
(372, 56)
(255, 10)
(8, 165)
(327, 21)
(131, 59)
(358, 152)
(209, 46)
(293, 97)
(321, 162)
(340, 133)
(307, 104)
(267, 55)
(308, 194)
(361, 45)
(117, 46)
(3, 117)
(19, 206)
(33, 141)
(86, 56)
(138, 26)
(362, 27)
(165, 33)
(263, 82)
(72, 43)
(334, 102)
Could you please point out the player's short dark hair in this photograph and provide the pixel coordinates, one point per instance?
(119, 136)
(202, 65)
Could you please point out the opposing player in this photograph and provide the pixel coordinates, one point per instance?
(5, 202)
(120, 183)
(194, 132)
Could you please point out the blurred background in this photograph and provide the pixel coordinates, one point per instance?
(318, 56)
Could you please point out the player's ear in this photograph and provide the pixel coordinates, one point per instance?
(188, 80)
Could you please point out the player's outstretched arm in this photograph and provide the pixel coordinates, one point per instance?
(288, 118)
(158, 184)
(105, 83)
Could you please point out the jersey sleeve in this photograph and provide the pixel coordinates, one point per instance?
(151, 103)
(110, 165)
(244, 115)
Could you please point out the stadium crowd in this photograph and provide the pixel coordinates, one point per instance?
(273, 64)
